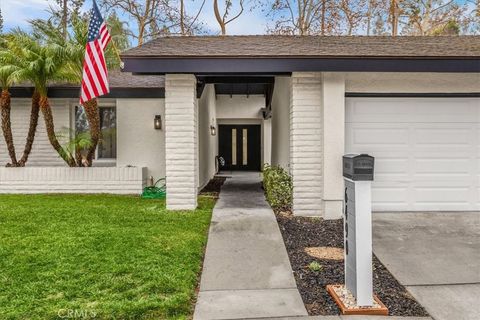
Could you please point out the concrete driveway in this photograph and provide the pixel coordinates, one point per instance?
(436, 256)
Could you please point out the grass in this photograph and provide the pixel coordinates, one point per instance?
(99, 256)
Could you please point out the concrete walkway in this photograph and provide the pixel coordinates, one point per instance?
(436, 256)
(246, 272)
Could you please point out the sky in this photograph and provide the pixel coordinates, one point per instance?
(16, 13)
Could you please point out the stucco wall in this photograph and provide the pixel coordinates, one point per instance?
(333, 100)
(42, 153)
(207, 143)
(240, 106)
(138, 143)
(412, 82)
(280, 148)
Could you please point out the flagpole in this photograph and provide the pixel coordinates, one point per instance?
(117, 52)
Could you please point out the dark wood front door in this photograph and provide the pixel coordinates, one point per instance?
(239, 145)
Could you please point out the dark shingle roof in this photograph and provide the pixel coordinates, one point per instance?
(269, 46)
(118, 79)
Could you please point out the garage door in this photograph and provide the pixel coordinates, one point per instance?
(427, 151)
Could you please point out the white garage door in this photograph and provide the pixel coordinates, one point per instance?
(427, 151)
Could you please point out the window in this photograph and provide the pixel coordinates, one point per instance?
(234, 146)
(107, 145)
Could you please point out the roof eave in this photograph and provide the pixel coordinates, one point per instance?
(74, 92)
(284, 65)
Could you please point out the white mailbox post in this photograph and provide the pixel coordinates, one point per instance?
(358, 173)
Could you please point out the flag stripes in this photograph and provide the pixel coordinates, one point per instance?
(95, 72)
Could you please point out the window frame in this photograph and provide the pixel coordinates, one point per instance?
(102, 103)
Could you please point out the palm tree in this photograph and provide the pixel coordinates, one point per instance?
(43, 63)
(6, 80)
(75, 49)
(12, 58)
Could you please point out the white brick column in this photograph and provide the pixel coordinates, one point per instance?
(333, 143)
(181, 141)
(306, 143)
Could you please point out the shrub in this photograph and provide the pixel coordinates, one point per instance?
(278, 187)
(315, 266)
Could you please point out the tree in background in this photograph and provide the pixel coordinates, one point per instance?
(118, 31)
(226, 16)
(183, 17)
(394, 13)
(147, 15)
(432, 17)
(374, 23)
(379, 25)
(1, 21)
(303, 17)
(353, 13)
(62, 11)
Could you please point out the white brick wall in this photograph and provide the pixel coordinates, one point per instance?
(127, 180)
(181, 141)
(42, 153)
(306, 143)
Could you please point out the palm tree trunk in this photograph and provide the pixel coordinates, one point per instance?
(5, 107)
(93, 117)
(48, 117)
(34, 113)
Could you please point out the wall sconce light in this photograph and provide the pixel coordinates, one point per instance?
(157, 122)
(213, 130)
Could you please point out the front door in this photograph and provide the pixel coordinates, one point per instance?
(239, 145)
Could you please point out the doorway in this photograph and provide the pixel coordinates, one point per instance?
(240, 145)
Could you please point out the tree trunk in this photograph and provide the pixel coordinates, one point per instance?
(369, 17)
(65, 19)
(5, 107)
(93, 117)
(35, 110)
(324, 12)
(219, 18)
(48, 117)
(78, 158)
(182, 18)
(394, 17)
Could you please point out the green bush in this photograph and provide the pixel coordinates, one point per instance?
(278, 187)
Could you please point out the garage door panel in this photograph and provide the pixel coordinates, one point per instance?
(390, 166)
(426, 110)
(441, 194)
(378, 136)
(445, 137)
(444, 167)
(427, 151)
(388, 194)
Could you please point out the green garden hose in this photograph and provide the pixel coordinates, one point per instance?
(155, 191)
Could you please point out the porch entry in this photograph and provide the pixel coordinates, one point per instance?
(239, 145)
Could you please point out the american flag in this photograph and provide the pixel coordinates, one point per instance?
(95, 73)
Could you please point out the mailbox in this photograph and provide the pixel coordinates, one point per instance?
(358, 173)
(358, 167)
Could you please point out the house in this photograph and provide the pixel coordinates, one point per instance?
(301, 102)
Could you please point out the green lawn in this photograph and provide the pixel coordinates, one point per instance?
(100, 256)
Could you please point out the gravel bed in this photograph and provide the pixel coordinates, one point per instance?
(300, 233)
